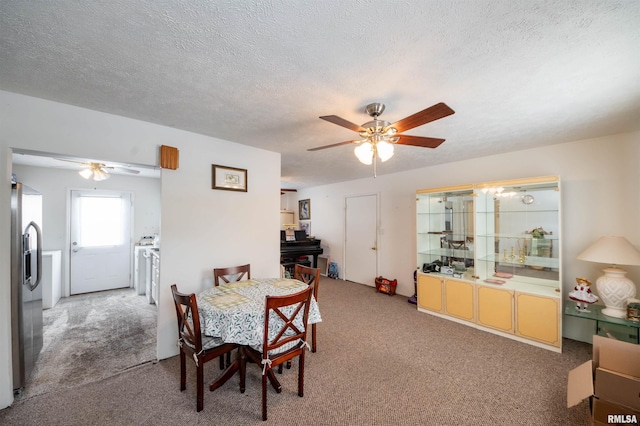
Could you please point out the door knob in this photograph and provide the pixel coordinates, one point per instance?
(373, 248)
(75, 250)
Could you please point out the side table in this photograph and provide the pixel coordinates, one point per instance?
(620, 328)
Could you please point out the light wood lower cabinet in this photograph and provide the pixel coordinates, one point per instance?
(526, 317)
(459, 299)
(495, 308)
(538, 318)
(430, 292)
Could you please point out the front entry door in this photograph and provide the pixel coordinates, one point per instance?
(100, 240)
(361, 239)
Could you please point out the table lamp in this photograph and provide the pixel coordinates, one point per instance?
(613, 287)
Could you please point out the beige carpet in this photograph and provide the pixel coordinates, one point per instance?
(379, 362)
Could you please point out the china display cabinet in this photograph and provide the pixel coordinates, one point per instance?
(489, 256)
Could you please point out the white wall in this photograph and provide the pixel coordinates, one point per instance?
(599, 192)
(204, 228)
(55, 184)
(200, 228)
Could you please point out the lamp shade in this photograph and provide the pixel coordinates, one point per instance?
(385, 150)
(86, 173)
(612, 251)
(99, 174)
(364, 152)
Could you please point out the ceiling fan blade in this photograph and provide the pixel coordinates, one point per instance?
(419, 141)
(425, 116)
(83, 163)
(332, 145)
(127, 170)
(342, 122)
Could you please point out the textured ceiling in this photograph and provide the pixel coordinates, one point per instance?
(518, 73)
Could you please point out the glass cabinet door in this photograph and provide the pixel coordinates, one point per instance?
(445, 229)
(518, 232)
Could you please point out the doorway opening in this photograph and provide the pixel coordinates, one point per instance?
(88, 324)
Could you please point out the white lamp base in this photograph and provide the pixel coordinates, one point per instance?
(614, 289)
(617, 313)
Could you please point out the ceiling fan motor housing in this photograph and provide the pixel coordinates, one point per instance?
(374, 109)
(376, 126)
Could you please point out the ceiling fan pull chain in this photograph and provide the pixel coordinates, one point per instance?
(375, 162)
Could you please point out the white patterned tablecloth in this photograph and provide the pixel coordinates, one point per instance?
(235, 311)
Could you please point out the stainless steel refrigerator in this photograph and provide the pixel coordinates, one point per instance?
(26, 273)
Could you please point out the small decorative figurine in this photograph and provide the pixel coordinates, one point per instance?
(582, 295)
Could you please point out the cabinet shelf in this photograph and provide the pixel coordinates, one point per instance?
(449, 252)
(525, 211)
(519, 236)
(543, 262)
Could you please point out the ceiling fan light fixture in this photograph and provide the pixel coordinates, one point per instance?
(86, 173)
(99, 174)
(364, 152)
(384, 150)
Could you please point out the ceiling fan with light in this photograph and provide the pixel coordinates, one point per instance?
(379, 136)
(98, 171)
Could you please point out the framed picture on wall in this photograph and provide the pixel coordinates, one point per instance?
(229, 178)
(304, 209)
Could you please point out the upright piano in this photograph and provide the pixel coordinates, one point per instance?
(295, 251)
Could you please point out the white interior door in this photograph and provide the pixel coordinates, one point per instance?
(361, 239)
(100, 257)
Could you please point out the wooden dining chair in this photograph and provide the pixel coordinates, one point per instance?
(289, 342)
(192, 342)
(231, 274)
(225, 276)
(311, 276)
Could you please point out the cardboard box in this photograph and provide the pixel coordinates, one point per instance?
(617, 387)
(606, 413)
(617, 355)
(617, 365)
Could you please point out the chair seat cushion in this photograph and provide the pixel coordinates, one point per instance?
(208, 342)
(281, 349)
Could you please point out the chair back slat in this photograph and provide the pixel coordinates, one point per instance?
(231, 274)
(310, 276)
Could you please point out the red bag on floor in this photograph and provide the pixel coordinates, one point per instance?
(384, 285)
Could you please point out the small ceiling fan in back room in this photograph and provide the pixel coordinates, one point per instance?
(378, 137)
(98, 171)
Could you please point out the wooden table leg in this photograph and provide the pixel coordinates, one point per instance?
(242, 356)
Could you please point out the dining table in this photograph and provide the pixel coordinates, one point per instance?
(234, 312)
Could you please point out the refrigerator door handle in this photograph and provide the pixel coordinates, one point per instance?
(38, 254)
